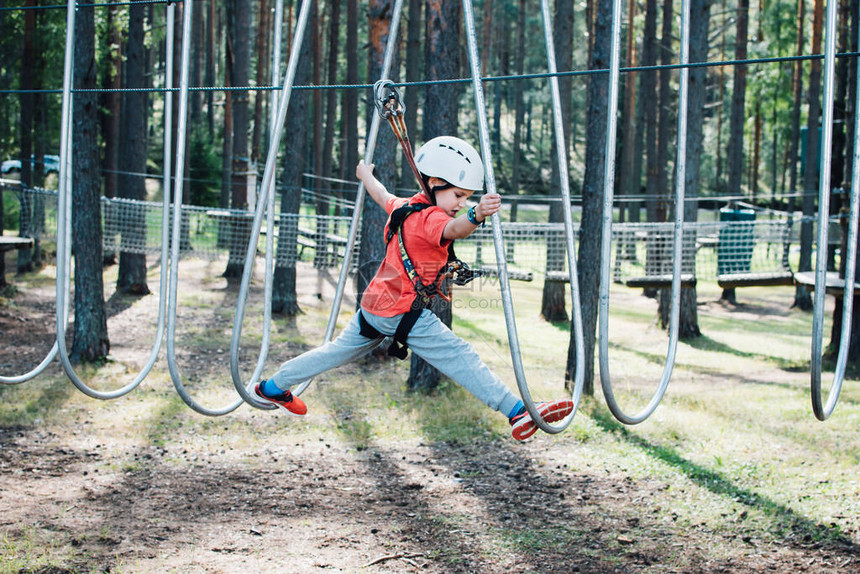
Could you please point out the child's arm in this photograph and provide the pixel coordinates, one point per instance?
(461, 227)
(364, 172)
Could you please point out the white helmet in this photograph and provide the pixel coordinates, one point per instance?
(453, 160)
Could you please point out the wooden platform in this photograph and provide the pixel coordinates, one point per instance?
(732, 280)
(833, 284)
(9, 243)
(688, 281)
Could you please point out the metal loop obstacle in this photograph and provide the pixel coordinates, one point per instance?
(822, 411)
(64, 235)
(606, 244)
(498, 240)
(267, 204)
(177, 219)
(369, 150)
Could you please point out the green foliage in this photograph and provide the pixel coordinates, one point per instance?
(204, 163)
(11, 209)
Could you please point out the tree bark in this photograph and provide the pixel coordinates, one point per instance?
(90, 324)
(284, 295)
(349, 111)
(592, 196)
(519, 104)
(700, 17)
(131, 277)
(664, 186)
(413, 74)
(628, 177)
(261, 76)
(554, 297)
(25, 256)
(735, 149)
(802, 299)
(848, 166)
(239, 31)
(110, 118)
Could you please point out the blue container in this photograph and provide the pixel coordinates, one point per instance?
(736, 241)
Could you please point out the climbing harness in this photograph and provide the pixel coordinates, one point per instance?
(606, 237)
(822, 411)
(424, 293)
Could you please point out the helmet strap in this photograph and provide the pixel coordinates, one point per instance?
(433, 190)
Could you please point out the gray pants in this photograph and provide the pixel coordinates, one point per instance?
(430, 339)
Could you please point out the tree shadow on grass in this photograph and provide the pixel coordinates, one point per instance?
(786, 519)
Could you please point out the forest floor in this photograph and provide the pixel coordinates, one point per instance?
(732, 474)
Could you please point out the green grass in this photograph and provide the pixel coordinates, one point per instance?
(734, 445)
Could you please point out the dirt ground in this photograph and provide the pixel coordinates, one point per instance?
(327, 505)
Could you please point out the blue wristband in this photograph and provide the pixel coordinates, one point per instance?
(473, 217)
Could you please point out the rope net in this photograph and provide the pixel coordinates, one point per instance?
(735, 253)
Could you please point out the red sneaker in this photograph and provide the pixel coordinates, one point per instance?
(523, 426)
(294, 406)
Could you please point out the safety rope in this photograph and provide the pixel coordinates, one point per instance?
(504, 78)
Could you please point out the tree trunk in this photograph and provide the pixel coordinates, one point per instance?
(239, 31)
(665, 121)
(848, 166)
(328, 147)
(131, 277)
(210, 70)
(321, 203)
(664, 136)
(198, 62)
(700, 17)
(284, 295)
(413, 74)
(519, 107)
(803, 300)
(110, 119)
(592, 195)
(90, 328)
(262, 75)
(554, 294)
(628, 177)
(25, 256)
(440, 118)
(735, 149)
(349, 111)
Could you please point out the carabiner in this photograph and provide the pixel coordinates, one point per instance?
(387, 99)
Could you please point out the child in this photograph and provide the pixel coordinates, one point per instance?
(395, 301)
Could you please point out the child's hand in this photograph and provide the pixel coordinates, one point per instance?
(489, 204)
(364, 171)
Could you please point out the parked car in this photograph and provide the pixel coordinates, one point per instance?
(52, 164)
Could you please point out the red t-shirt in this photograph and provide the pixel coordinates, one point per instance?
(390, 291)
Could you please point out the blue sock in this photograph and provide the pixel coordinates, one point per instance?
(270, 389)
(518, 408)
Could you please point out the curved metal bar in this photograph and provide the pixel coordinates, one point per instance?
(498, 240)
(369, 149)
(64, 248)
(606, 246)
(822, 411)
(177, 222)
(266, 203)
